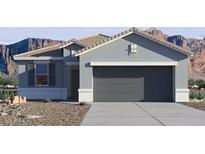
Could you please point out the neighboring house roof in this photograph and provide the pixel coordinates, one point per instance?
(85, 42)
(128, 32)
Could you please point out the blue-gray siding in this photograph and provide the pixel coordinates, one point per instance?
(23, 74)
(63, 71)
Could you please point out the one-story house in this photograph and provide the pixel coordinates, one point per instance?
(131, 66)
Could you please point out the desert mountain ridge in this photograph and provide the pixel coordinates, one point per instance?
(196, 64)
(196, 68)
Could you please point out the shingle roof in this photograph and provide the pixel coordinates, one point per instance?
(89, 41)
(130, 31)
(85, 42)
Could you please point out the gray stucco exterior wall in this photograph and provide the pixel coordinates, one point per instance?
(148, 51)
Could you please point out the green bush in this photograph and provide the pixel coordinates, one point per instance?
(200, 95)
(192, 95)
(7, 95)
(200, 83)
(197, 95)
(5, 92)
(191, 82)
(8, 81)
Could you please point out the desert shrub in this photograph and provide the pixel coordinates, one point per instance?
(192, 95)
(191, 82)
(199, 95)
(4, 80)
(200, 83)
(7, 95)
(8, 81)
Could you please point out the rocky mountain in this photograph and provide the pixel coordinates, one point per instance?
(157, 33)
(197, 46)
(7, 65)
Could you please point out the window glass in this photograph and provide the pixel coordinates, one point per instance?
(41, 79)
(41, 74)
(41, 68)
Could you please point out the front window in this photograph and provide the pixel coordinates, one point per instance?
(41, 74)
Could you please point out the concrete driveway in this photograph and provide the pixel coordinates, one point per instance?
(143, 114)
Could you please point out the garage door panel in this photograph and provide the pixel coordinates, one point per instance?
(132, 84)
(125, 87)
(118, 80)
(121, 97)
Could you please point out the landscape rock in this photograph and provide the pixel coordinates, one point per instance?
(1, 109)
(19, 100)
(45, 114)
(5, 114)
(8, 109)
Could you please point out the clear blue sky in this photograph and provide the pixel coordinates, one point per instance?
(11, 35)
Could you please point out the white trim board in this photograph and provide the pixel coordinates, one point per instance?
(182, 95)
(38, 58)
(133, 63)
(85, 95)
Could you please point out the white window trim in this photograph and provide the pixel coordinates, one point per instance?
(37, 85)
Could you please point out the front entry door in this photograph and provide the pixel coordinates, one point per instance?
(74, 84)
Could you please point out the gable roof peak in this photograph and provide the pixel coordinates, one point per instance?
(138, 32)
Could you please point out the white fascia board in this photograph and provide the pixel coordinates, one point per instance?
(133, 63)
(63, 46)
(38, 58)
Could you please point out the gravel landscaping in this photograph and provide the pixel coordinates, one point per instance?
(197, 105)
(42, 114)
